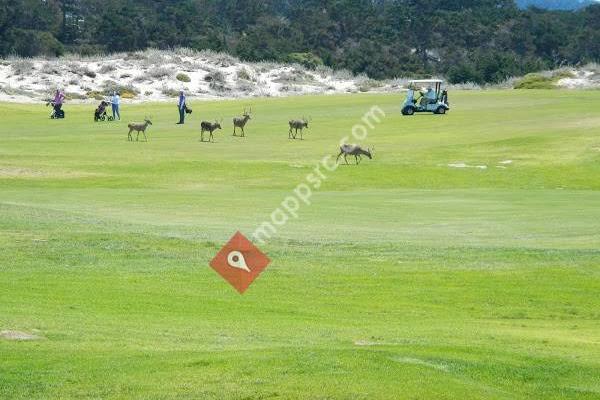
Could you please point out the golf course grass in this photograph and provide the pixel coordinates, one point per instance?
(461, 262)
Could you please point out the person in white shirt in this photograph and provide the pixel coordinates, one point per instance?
(431, 96)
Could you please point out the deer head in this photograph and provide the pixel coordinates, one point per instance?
(147, 120)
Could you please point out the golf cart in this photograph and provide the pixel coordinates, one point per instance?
(426, 95)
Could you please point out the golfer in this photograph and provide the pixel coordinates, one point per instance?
(115, 101)
(59, 98)
(181, 106)
(431, 96)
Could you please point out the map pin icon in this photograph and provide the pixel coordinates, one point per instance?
(235, 259)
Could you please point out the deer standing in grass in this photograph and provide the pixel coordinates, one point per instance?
(209, 127)
(353, 150)
(240, 122)
(139, 127)
(297, 125)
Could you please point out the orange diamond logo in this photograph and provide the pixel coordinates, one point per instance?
(240, 262)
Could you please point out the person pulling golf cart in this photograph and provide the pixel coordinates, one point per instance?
(433, 99)
(57, 103)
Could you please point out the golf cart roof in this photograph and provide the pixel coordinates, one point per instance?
(427, 81)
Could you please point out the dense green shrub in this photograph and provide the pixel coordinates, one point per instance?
(308, 60)
(537, 81)
(183, 77)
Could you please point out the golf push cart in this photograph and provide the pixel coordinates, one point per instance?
(426, 96)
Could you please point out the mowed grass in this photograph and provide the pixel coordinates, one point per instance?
(404, 279)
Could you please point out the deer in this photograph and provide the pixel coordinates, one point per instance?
(240, 122)
(139, 127)
(209, 127)
(353, 150)
(297, 125)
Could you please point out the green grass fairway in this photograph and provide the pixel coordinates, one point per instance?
(405, 279)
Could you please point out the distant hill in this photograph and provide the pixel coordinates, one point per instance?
(481, 41)
(556, 4)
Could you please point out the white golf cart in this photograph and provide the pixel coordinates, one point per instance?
(426, 95)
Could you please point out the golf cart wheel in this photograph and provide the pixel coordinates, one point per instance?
(408, 111)
(441, 110)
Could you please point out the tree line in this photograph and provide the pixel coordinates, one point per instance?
(465, 40)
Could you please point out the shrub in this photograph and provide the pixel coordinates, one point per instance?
(81, 70)
(245, 86)
(224, 60)
(343, 74)
(183, 77)
(169, 92)
(219, 87)
(324, 71)
(244, 74)
(159, 72)
(538, 81)
(74, 96)
(368, 84)
(22, 66)
(135, 56)
(563, 74)
(127, 91)
(308, 60)
(534, 81)
(105, 69)
(296, 76)
(127, 94)
(51, 69)
(94, 94)
(215, 76)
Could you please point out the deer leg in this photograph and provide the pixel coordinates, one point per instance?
(338, 157)
(243, 132)
(129, 138)
(358, 159)
(346, 158)
(145, 138)
(137, 139)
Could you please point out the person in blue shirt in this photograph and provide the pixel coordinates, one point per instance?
(115, 101)
(181, 106)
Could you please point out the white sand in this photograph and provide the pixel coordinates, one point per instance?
(152, 75)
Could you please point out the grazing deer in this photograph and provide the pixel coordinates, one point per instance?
(209, 127)
(139, 127)
(297, 125)
(353, 150)
(240, 122)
